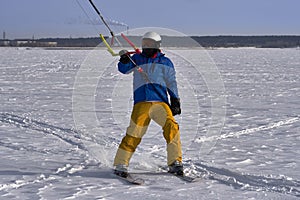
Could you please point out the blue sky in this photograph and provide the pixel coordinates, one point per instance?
(65, 18)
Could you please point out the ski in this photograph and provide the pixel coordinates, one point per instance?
(132, 179)
(135, 180)
(186, 178)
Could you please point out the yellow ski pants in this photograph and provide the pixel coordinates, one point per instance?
(141, 116)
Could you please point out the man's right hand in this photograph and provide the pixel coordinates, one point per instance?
(175, 106)
(124, 57)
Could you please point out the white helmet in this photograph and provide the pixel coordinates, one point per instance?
(152, 35)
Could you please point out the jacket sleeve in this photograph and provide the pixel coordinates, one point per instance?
(171, 82)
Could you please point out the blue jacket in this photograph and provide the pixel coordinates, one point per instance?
(156, 80)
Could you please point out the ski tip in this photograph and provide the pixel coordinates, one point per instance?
(132, 180)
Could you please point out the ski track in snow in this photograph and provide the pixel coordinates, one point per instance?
(41, 160)
(61, 133)
(249, 131)
(269, 183)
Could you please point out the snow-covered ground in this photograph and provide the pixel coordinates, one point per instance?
(49, 150)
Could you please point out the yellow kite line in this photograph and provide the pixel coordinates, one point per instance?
(109, 49)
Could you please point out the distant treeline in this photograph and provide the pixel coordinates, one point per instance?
(170, 41)
(249, 41)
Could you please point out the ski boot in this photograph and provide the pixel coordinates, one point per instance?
(176, 168)
(121, 170)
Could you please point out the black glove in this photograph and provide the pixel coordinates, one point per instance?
(124, 58)
(175, 106)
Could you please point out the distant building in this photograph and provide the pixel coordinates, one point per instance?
(4, 43)
(30, 43)
(20, 42)
(46, 44)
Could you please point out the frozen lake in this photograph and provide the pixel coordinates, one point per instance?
(64, 112)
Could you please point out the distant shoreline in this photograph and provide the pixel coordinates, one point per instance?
(280, 41)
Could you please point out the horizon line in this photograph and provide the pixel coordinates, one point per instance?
(107, 36)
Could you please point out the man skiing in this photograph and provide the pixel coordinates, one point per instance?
(154, 83)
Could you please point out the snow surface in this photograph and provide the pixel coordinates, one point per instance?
(51, 148)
